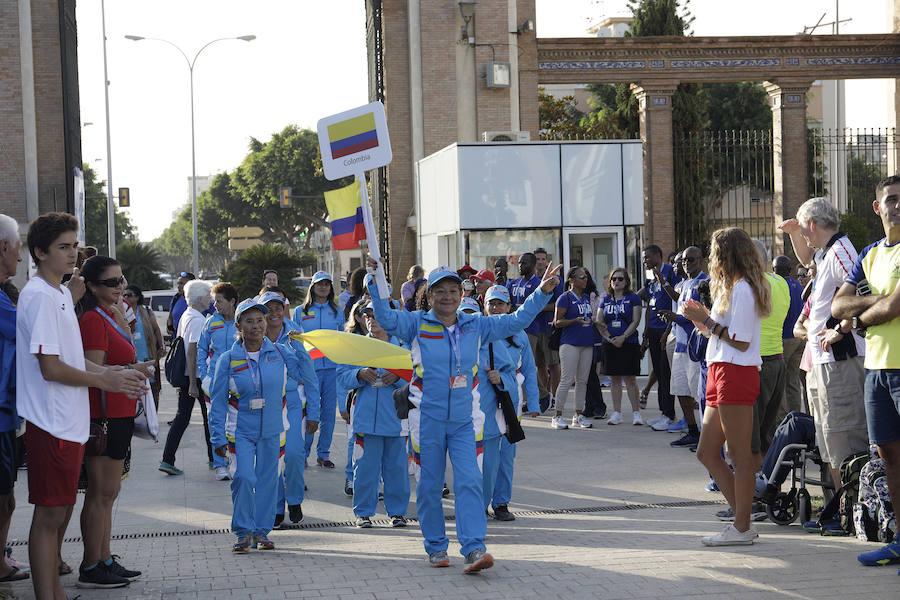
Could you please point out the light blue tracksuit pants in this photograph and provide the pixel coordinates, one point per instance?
(291, 482)
(253, 488)
(437, 438)
(327, 403)
(348, 469)
(383, 457)
(489, 466)
(503, 486)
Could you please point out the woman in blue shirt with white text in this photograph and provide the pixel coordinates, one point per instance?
(319, 311)
(576, 346)
(618, 318)
(253, 375)
(444, 345)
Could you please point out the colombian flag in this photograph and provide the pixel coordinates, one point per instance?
(351, 349)
(352, 136)
(345, 212)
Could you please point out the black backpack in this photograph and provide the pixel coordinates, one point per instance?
(841, 505)
(176, 363)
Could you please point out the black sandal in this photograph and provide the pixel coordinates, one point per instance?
(16, 574)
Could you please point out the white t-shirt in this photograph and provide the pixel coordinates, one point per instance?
(832, 267)
(743, 324)
(189, 329)
(46, 324)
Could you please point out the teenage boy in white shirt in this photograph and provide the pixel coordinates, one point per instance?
(52, 379)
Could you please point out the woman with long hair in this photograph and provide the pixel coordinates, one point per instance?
(319, 311)
(148, 339)
(741, 298)
(618, 318)
(576, 346)
(107, 340)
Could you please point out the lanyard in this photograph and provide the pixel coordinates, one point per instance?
(254, 375)
(115, 325)
(454, 345)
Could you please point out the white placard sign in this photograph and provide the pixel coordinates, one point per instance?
(354, 141)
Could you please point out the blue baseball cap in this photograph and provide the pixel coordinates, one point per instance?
(441, 273)
(270, 297)
(469, 304)
(497, 292)
(321, 276)
(247, 305)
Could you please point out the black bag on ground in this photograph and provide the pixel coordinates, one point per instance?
(514, 432)
(841, 504)
(176, 364)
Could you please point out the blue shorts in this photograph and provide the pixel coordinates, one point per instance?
(883, 405)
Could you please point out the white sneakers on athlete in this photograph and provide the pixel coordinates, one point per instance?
(637, 419)
(579, 421)
(731, 537)
(558, 423)
(662, 424)
(222, 474)
(615, 419)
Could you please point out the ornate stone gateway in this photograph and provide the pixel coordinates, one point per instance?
(654, 66)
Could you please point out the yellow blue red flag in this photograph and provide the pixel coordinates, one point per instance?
(351, 349)
(345, 213)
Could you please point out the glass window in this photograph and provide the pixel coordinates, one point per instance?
(484, 247)
(633, 182)
(592, 184)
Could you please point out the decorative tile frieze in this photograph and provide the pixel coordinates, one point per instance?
(735, 63)
(860, 60)
(594, 64)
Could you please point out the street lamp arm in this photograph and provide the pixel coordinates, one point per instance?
(186, 59)
(245, 38)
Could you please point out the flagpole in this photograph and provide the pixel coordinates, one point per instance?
(371, 238)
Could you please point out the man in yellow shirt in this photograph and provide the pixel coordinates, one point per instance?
(871, 297)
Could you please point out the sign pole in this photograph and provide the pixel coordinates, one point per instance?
(371, 237)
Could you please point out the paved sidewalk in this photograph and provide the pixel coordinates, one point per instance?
(639, 509)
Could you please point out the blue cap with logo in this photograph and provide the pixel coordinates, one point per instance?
(250, 303)
(468, 303)
(270, 297)
(497, 292)
(321, 276)
(442, 273)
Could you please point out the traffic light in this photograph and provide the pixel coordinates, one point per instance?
(124, 198)
(284, 196)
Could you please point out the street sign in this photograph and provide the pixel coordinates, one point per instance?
(244, 244)
(244, 232)
(284, 195)
(124, 198)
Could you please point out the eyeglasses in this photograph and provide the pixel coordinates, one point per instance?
(617, 279)
(112, 281)
(128, 295)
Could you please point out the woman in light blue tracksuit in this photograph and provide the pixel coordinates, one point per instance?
(498, 493)
(252, 376)
(444, 347)
(319, 311)
(291, 482)
(379, 451)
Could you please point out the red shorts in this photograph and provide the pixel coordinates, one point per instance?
(728, 383)
(53, 468)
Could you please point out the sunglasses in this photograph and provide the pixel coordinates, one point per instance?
(582, 276)
(617, 279)
(112, 282)
(128, 295)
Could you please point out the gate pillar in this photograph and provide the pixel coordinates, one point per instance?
(655, 102)
(787, 98)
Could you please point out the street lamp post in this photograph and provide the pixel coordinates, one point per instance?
(190, 64)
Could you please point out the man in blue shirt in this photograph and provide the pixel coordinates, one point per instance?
(178, 304)
(655, 295)
(793, 347)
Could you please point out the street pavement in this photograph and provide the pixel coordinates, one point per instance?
(609, 512)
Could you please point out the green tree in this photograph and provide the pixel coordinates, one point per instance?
(245, 273)
(141, 264)
(95, 215)
(742, 106)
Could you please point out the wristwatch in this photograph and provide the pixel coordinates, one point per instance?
(837, 327)
(856, 323)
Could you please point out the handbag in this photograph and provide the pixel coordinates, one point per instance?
(555, 338)
(146, 421)
(514, 432)
(176, 363)
(96, 444)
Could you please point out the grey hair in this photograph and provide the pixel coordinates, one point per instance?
(763, 251)
(194, 290)
(9, 229)
(820, 211)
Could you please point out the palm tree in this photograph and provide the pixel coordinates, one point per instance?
(140, 265)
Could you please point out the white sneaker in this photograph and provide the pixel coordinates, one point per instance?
(222, 474)
(558, 423)
(580, 421)
(637, 419)
(651, 422)
(731, 537)
(662, 424)
(615, 419)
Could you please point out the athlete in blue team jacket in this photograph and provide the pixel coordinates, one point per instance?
(497, 301)
(216, 337)
(444, 347)
(379, 451)
(319, 311)
(253, 375)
